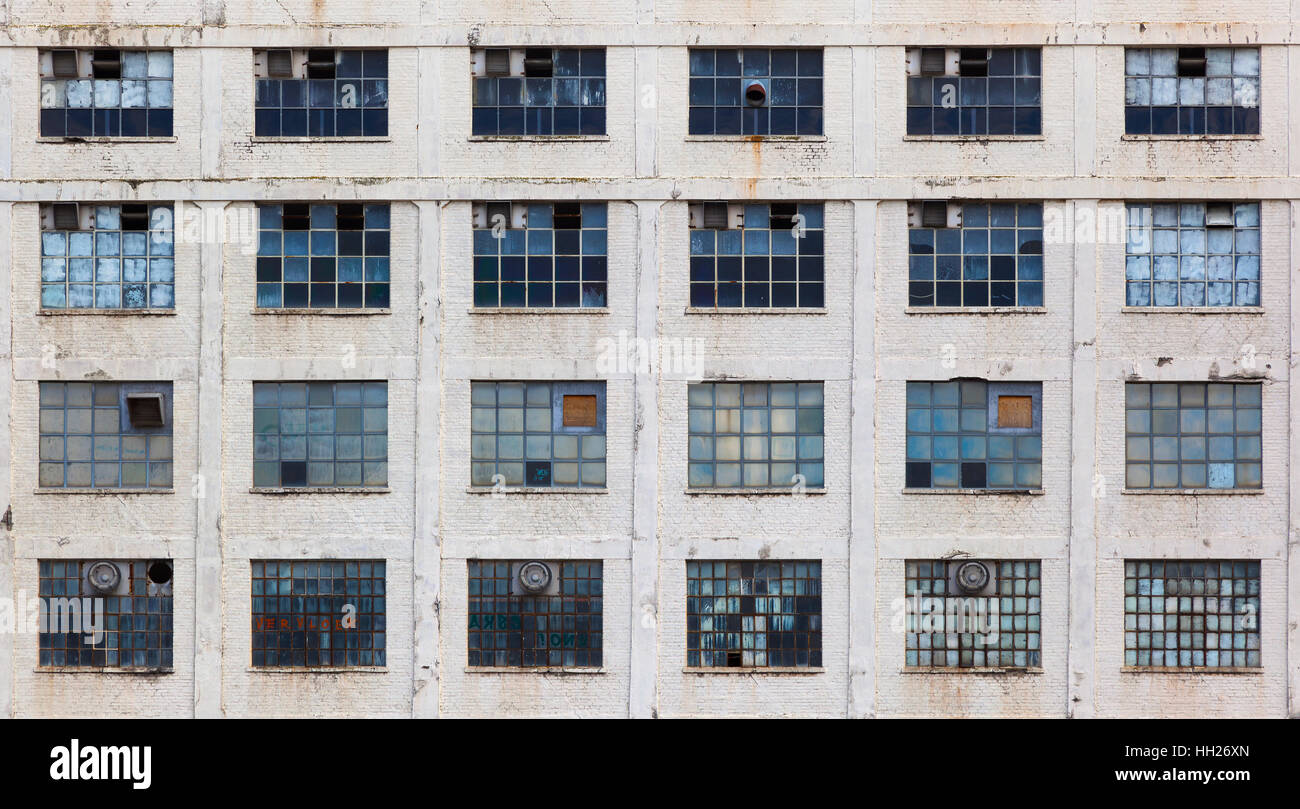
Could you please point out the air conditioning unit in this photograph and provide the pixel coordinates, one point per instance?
(107, 578)
(716, 215)
(1218, 215)
(488, 214)
(937, 61)
(530, 62)
(146, 410)
(972, 579)
(933, 214)
(291, 63)
(534, 578)
(65, 64)
(67, 216)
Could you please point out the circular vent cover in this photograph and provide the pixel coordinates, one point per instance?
(534, 577)
(104, 576)
(972, 576)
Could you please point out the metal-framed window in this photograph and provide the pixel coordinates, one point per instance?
(755, 91)
(754, 614)
(328, 613)
(1192, 254)
(756, 434)
(320, 434)
(1193, 435)
(540, 254)
(323, 256)
(321, 93)
(992, 255)
(106, 92)
(91, 438)
(539, 91)
(990, 621)
(974, 91)
(556, 625)
(105, 614)
(107, 256)
(1191, 91)
(1202, 613)
(537, 434)
(973, 434)
(761, 255)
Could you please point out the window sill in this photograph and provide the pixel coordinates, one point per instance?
(103, 139)
(538, 138)
(1013, 492)
(975, 138)
(1194, 492)
(975, 310)
(757, 138)
(327, 312)
(1257, 670)
(534, 670)
(322, 139)
(746, 491)
(1129, 137)
(741, 310)
(1007, 670)
(751, 670)
(1192, 310)
(319, 490)
(102, 492)
(536, 490)
(106, 312)
(102, 670)
(549, 310)
(317, 669)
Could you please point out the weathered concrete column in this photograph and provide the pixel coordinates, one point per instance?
(1293, 482)
(862, 460)
(210, 117)
(426, 553)
(1083, 450)
(644, 637)
(6, 450)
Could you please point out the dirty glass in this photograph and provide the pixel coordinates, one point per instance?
(109, 266)
(508, 628)
(88, 442)
(1174, 259)
(725, 98)
(352, 104)
(994, 259)
(136, 102)
(1219, 96)
(1006, 101)
(1201, 613)
(557, 260)
(320, 434)
(954, 441)
(323, 256)
(756, 435)
(754, 614)
(999, 628)
(319, 614)
(776, 259)
(570, 101)
(135, 621)
(1193, 435)
(518, 435)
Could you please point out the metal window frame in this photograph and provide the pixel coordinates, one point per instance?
(488, 593)
(593, 293)
(367, 87)
(115, 610)
(588, 83)
(812, 468)
(382, 290)
(369, 645)
(106, 397)
(366, 463)
(937, 81)
(1188, 643)
(161, 228)
(749, 119)
(739, 638)
(1140, 229)
(1180, 463)
(988, 418)
(52, 77)
(1233, 76)
(808, 294)
(917, 257)
(555, 392)
(927, 579)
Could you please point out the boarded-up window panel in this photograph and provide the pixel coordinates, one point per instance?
(1016, 411)
(579, 411)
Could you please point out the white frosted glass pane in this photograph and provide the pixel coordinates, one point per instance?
(1137, 62)
(1245, 62)
(1218, 92)
(1164, 62)
(1218, 61)
(54, 94)
(160, 94)
(1191, 91)
(160, 64)
(1245, 92)
(133, 94)
(1164, 92)
(107, 93)
(135, 65)
(79, 93)
(1137, 92)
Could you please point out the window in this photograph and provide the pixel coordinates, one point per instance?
(534, 614)
(107, 256)
(106, 93)
(1184, 614)
(755, 91)
(965, 613)
(1192, 254)
(754, 614)
(106, 614)
(323, 256)
(1193, 435)
(757, 256)
(319, 614)
(540, 255)
(961, 435)
(1191, 91)
(975, 254)
(91, 439)
(974, 91)
(321, 93)
(538, 434)
(320, 434)
(539, 91)
(756, 434)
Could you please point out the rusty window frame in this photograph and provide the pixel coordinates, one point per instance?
(307, 604)
(527, 640)
(1018, 605)
(150, 646)
(754, 614)
(1193, 634)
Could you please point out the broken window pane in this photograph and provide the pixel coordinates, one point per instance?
(347, 97)
(756, 435)
(1193, 254)
(1004, 98)
(319, 614)
(533, 622)
(995, 258)
(957, 440)
(772, 257)
(106, 614)
(991, 619)
(1200, 613)
(87, 439)
(117, 263)
(1193, 435)
(754, 614)
(755, 91)
(135, 101)
(323, 256)
(521, 434)
(557, 259)
(1166, 95)
(540, 91)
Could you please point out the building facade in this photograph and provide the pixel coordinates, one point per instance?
(648, 358)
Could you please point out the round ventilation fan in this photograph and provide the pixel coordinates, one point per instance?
(534, 577)
(103, 576)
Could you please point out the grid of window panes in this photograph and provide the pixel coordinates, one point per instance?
(994, 259)
(756, 434)
(136, 102)
(136, 627)
(569, 101)
(87, 442)
(533, 631)
(319, 614)
(1174, 259)
(558, 260)
(792, 84)
(1193, 435)
(352, 104)
(1182, 614)
(323, 256)
(754, 614)
(109, 267)
(774, 260)
(950, 445)
(314, 434)
(1007, 101)
(950, 630)
(1162, 100)
(514, 434)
